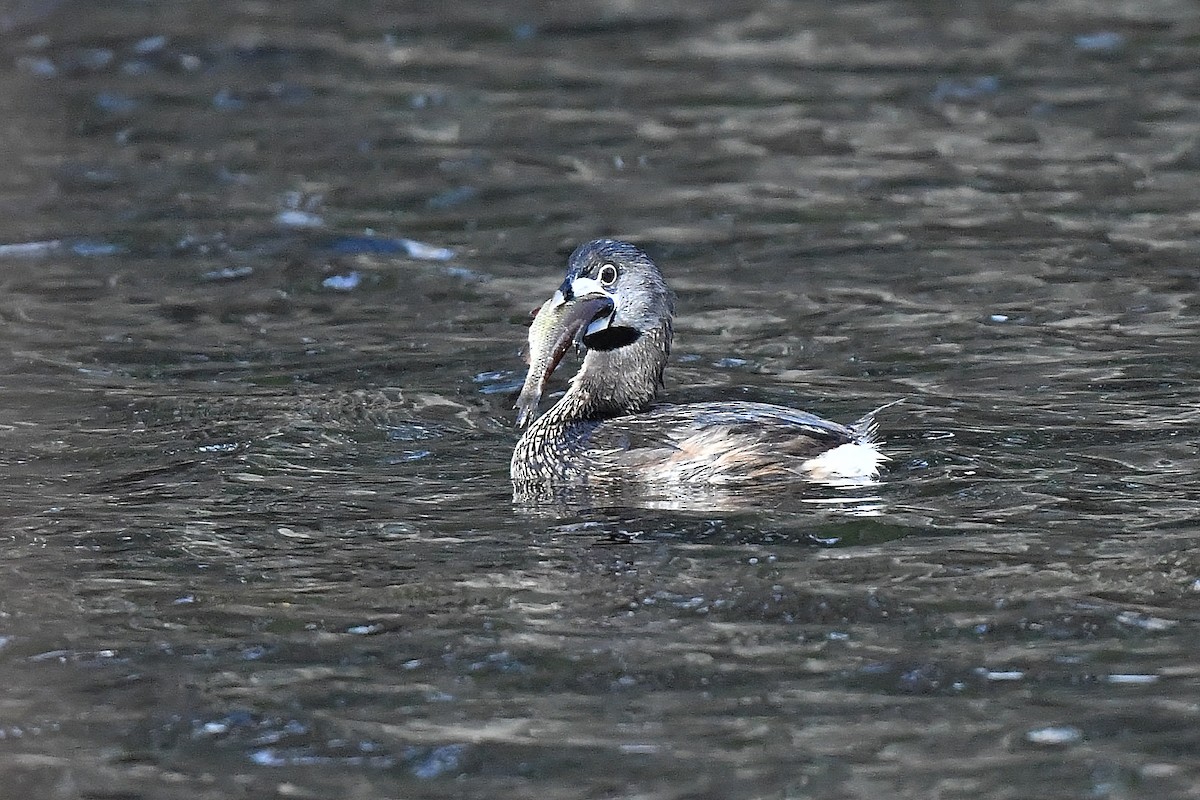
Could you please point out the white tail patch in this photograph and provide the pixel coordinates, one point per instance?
(854, 462)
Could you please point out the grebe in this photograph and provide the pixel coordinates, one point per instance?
(607, 431)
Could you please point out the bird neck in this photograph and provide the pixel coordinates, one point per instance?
(615, 382)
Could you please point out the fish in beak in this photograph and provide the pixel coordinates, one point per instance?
(576, 310)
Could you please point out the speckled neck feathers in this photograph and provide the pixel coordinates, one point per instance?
(614, 382)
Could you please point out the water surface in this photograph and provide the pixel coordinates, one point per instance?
(263, 274)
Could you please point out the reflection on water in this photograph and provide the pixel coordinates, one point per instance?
(854, 498)
(264, 270)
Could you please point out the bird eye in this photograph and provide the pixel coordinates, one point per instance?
(608, 275)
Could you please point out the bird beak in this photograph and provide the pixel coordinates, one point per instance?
(586, 289)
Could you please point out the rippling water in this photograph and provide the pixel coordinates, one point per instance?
(264, 270)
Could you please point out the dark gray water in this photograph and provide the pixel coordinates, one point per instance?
(263, 273)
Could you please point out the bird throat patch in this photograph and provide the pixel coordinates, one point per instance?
(611, 338)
